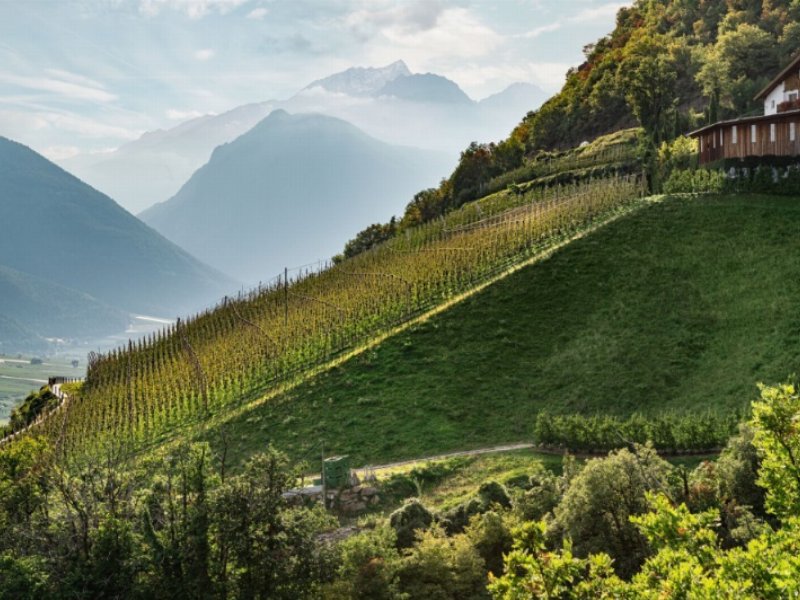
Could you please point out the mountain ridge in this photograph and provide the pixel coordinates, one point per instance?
(361, 81)
(152, 168)
(56, 228)
(277, 199)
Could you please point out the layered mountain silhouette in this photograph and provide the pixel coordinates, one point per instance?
(71, 252)
(425, 88)
(290, 191)
(155, 166)
(390, 103)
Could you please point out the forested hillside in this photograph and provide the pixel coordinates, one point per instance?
(676, 63)
(667, 67)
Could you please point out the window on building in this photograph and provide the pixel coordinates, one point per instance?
(721, 137)
(734, 135)
(753, 133)
(792, 132)
(772, 132)
(773, 104)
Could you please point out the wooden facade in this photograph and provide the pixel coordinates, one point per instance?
(776, 133)
(765, 136)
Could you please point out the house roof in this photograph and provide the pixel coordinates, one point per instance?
(747, 120)
(780, 77)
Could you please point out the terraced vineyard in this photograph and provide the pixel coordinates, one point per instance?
(247, 344)
(656, 326)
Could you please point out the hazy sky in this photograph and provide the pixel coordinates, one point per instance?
(90, 75)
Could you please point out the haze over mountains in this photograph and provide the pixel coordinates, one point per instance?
(290, 191)
(154, 167)
(32, 309)
(390, 103)
(74, 262)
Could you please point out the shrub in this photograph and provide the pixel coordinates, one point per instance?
(672, 432)
(491, 493)
(443, 568)
(408, 519)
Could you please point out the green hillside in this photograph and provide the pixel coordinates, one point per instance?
(684, 305)
(246, 346)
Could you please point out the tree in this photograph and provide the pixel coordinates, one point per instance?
(533, 571)
(176, 524)
(737, 471)
(472, 173)
(737, 67)
(369, 566)
(595, 510)
(270, 547)
(775, 418)
(648, 75)
(370, 237)
(438, 567)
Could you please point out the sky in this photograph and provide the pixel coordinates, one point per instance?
(87, 76)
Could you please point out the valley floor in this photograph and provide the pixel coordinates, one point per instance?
(18, 377)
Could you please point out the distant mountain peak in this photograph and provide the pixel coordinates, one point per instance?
(427, 87)
(361, 81)
(517, 98)
(290, 191)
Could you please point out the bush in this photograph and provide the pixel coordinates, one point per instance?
(457, 518)
(671, 432)
(399, 487)
(443, 568)
(369, 563)
(741, 177)
(491, 493)
(697, 181)
(407, 520)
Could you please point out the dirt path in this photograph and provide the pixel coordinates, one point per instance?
(361, 471)
(475, 452)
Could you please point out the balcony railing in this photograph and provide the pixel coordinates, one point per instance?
(789, 105)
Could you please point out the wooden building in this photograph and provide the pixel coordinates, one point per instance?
(775, 133)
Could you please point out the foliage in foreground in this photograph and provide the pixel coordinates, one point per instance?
(688, 556)
(176, 527)
(625, 526)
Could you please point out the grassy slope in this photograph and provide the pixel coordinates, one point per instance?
(465, 475)
(685, 304)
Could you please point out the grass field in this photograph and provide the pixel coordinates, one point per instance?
(18, 378)
(685, 304)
